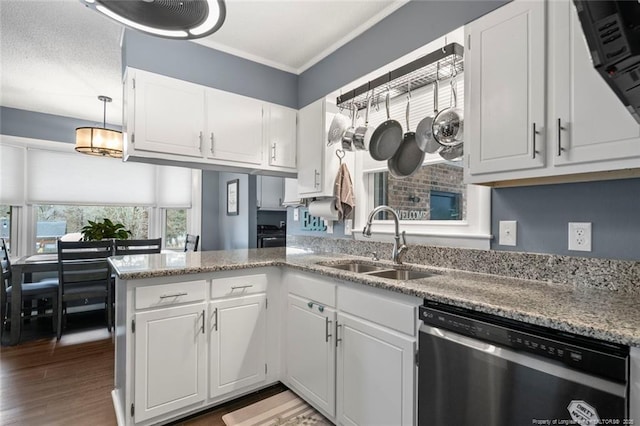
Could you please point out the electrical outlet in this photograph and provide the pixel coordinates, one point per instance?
(508, 233)
(580, 236)
(296, 214)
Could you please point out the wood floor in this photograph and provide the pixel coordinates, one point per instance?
(69, 382)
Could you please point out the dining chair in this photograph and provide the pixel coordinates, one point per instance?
(191, 242)
(84, 273)
(43, 292)
(149, 246)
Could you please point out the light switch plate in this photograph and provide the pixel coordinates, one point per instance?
(296, 214)
(348, 225)
(508, 233)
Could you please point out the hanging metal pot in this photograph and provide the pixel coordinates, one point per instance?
(448, 125)
(362, 136)
(424, 131)
(386, 138)
(408, 157)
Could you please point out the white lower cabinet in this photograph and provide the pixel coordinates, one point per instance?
(170, 357)
(375, 376)
(237, 343)
(310, 353)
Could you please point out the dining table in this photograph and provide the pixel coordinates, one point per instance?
(21, 268)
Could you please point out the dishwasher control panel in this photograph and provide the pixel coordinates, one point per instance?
(601, 358)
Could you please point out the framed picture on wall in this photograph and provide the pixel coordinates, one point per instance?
(232, 197)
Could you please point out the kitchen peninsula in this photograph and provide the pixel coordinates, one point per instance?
(220, 321)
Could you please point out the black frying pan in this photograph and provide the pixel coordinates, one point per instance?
(409, 156)
(386, 138)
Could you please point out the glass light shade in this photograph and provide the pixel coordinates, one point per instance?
(99, 141)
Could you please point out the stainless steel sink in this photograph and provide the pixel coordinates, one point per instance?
(382, 271)
(357, 267)
(401, 274)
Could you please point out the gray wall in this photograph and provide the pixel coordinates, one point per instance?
(198, 64)
(238, 231)
(210, 238)
(410, 27)
(36, 125)
(542, 212)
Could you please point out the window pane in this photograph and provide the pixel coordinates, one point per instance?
(435, 192)
(5, 224)
(54, 221)
(175, 230)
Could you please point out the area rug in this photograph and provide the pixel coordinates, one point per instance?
(283, 409)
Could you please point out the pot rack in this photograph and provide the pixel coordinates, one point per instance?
(439, 64)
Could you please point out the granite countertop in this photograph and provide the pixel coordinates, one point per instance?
(600, 314)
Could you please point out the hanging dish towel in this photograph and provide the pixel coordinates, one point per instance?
(343, 191)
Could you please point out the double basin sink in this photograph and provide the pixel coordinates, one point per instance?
(382, 271)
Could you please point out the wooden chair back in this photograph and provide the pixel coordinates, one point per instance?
(83, 270)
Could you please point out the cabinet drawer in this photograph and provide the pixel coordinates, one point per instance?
(312, 288)
(381, 310)
(238, 286)
(170, 294)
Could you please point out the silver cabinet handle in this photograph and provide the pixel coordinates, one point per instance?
(560, 129)
(200, 137)
(326, 329)
(273, 152)
(168, 296)
(203, 321)
(337, 338)
(215, 318)
(535, 132)
(211, 143)
(238, 287)
(316, 178)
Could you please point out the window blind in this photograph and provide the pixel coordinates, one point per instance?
(11, 175)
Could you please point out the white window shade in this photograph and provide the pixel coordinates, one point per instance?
(174, 187)
(63, 178)
(11, 175)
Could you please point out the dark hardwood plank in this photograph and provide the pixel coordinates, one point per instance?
(69, 383)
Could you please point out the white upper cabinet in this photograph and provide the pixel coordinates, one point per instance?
(310, 147)
(317, 163)
(270, 191)
(514, 83)
(234, 127)
(504, 80)
(166, 115)
(173, 120)
(280, 136)
(588, 121)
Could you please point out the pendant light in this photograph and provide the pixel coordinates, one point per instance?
(99, 141)
(177, 19)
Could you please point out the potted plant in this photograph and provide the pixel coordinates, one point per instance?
(106, 229)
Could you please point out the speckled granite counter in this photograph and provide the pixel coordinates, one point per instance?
(597, 313)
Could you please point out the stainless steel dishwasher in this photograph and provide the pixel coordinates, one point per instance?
(480, 369)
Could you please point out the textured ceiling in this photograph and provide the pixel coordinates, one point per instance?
(57, 56)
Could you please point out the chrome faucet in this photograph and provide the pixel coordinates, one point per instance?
(398, 250)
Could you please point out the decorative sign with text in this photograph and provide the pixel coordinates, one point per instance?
(312, 223)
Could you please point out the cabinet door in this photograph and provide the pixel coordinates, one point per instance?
(505, 89)
(589, 122)
(234, 124)
(270, 192)
(170, 356)
(281, 136)
(311, 142)
(237, 344)
(310, 352)
(376, 374)
(169, 115)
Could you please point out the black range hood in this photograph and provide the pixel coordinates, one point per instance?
(612, 31)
